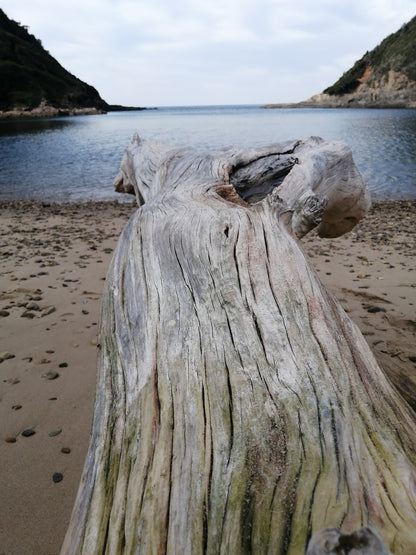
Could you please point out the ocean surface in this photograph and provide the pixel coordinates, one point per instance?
(77, 158)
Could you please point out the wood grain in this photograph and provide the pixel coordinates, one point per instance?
(238, 410)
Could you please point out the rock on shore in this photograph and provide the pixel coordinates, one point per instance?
(46, 111)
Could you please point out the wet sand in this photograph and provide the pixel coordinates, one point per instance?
(54, 260)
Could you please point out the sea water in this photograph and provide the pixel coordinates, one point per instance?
(77, 158)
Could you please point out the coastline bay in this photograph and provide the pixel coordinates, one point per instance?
(77, 158)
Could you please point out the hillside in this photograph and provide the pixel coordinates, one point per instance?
(34, 83)
(382, 78)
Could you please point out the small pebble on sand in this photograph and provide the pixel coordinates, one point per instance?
(32, 306)
(48, 311)
(51, 375)
(10, 439)
(29, 315)
(374, 309)
(5, 355)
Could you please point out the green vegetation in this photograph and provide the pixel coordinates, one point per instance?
(29, 75)
(397, 52)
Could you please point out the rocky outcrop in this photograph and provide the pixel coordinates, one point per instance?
(390, 90)
(382, 78)
(46, 111)
(393, 90)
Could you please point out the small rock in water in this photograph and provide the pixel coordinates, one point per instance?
(65, 450)
(412, 358)
(16, 407)
(55, 433)
(57, 477)
(28, 433)
(51, 375)
(63, 365)
(4, 313)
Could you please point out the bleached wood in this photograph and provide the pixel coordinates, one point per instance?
(238, 410)
(331, 542)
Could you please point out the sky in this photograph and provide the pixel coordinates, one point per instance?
(208, 52)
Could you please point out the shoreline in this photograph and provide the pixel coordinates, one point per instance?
(54, 259)
(46, 111)
(339, 104)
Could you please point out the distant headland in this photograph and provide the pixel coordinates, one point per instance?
(34, 84)
(382, 78)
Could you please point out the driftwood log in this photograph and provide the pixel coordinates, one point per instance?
(238, 409)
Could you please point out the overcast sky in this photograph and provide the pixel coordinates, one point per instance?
(201, 52)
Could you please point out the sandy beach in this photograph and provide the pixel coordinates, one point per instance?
(54, 260)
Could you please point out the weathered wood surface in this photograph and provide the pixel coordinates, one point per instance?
(238, 409)
(361, 542)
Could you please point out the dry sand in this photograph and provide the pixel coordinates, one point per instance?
(53, 263)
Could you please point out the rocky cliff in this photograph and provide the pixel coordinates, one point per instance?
(392, 89)
(382, 78)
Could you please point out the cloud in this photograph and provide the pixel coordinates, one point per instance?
(161, 52)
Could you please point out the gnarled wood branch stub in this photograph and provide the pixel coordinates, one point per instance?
(238, 409)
